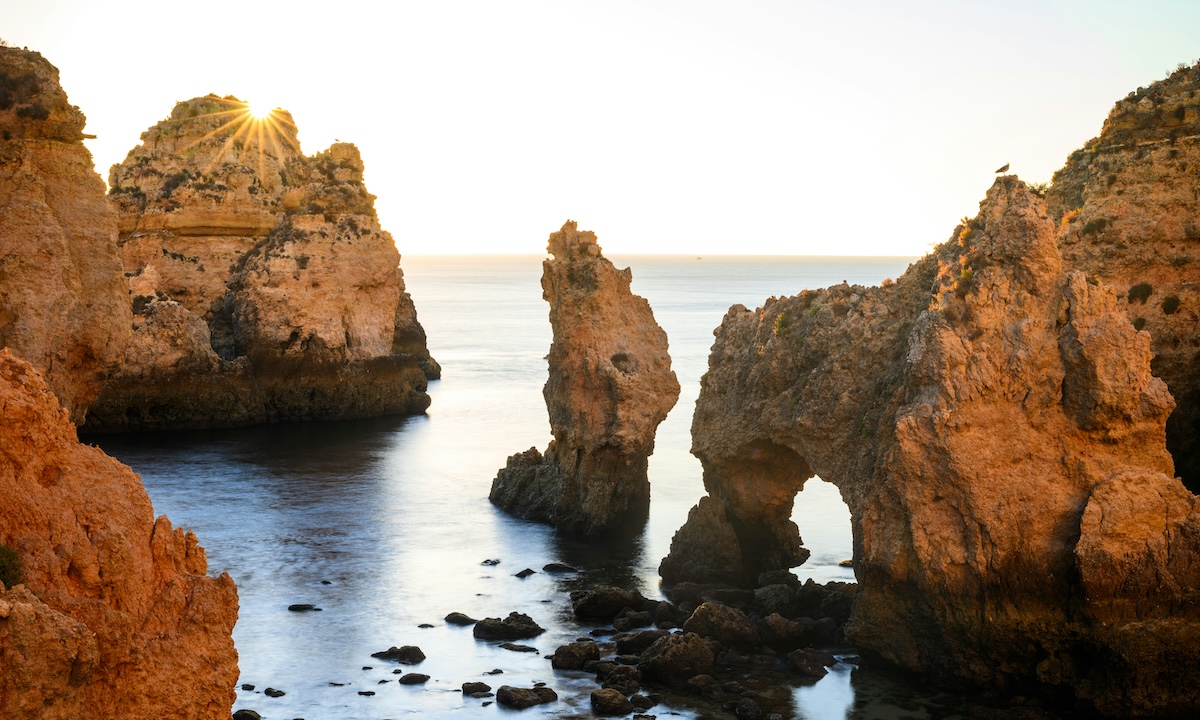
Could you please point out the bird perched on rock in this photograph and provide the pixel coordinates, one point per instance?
(1003, 169)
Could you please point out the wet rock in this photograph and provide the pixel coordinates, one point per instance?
(247, 687)
(705, 686)
(272, 692)
(517, 626)
(811, 662)
(636, 643)
(406, 655)
(572, 656)
(728, 626)
(630, 619)
(246, 715)
(747, 709)
(521, 698)
(425, 626)
(366, 693)
(625, 679)
(303, 607)
(779, 599)
(491, 562)
(497, 671)
(607, 701)
(783, 635)
(457, 618)
(605, 602)
(673, 659)
(558, 568)
(641, 702)
(413, 679)
(470, 688)
(524, 573)
(518, 648)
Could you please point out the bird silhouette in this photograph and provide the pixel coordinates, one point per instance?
(1003, 169)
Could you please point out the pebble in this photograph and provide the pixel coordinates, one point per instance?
(272, 692)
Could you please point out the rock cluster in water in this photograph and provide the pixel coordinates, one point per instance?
(610, 386)
(64, 305)
(108, 612)
(992, 422)
(261, 285)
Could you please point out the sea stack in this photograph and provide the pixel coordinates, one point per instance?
(64, 305)
(609, 387)
(261, 284)
(992, 422)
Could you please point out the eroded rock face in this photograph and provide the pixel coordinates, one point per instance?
(1129, 207)
(610, 386)
(63, 302)
(993, 424)
(114, 617)
(263, 288)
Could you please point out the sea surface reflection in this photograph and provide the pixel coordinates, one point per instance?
(384, 524)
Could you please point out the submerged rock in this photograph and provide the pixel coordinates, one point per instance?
(610, 386)
(517, 626)
(263, 288)
(521, 698)
(114, 615)
(64, 306)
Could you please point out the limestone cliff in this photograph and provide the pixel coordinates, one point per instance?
(610, 386)
(63, 302)
(262, 286)
(1129, 207)
(113, 615)
(993, 424)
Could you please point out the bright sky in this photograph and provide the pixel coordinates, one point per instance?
(750, 126)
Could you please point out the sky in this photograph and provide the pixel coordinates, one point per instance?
(694, 127)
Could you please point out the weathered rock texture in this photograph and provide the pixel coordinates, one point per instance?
(610, 386)
(993, 424)
(64, 306)
(1129, 207)
(262, 286)
(115, 617)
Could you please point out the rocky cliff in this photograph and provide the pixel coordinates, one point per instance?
(610, 386)
(262, 286)
(993, 424)
(63, 302)
(110, 614)
(1130, 216)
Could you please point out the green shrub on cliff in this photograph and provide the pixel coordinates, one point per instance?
(1170, 305)
(10, 567)
(1140, 292)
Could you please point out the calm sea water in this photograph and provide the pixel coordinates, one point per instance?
(384, 523)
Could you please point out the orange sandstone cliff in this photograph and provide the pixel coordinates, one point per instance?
(63, 302)
(1129, 207)
(610, 385)
(262, 286)
(112, 615)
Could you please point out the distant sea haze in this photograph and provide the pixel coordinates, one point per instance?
(383, 524)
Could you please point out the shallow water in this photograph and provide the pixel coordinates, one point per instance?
(383, 524)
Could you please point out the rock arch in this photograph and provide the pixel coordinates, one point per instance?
(992, 422)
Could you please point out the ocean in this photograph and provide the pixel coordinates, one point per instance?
(384, 524)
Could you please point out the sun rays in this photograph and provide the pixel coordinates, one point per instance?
(247, 128)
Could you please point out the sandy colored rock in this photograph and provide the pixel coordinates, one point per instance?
(992, 422)
(115, 617)
(63, 301)
(263, 288)
(610, 386)
(1128, 204)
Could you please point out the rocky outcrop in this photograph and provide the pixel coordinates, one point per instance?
(263, 288)
(1129, 207)
(113, 615)
(993, 424)
(610, 386)
(63, 302)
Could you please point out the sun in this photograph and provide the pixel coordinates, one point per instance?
(260, 111)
